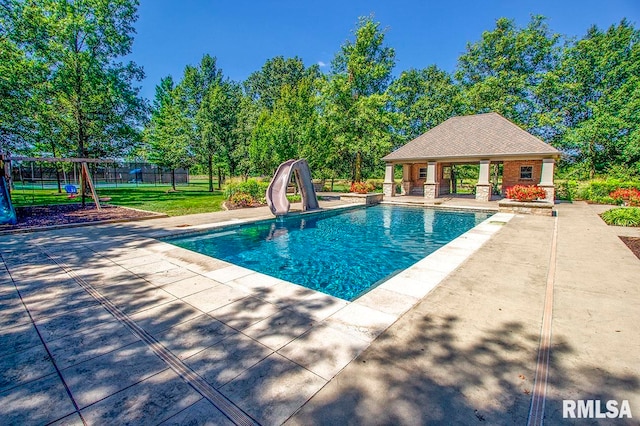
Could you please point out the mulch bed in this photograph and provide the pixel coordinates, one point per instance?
(633, 243)
(232, 206)
(64, 214)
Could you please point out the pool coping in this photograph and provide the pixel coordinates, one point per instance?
(195, 229)
(362, 319)
(439, 264)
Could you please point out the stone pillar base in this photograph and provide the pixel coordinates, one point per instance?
(430, 191)
(551, 193)
(483, 192)
(389, 189)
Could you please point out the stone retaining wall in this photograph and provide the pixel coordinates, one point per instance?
(367, 199)
(540, 208)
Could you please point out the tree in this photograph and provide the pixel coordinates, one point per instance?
(594, 98)
(169, 131)
(424, 98)
(503, 71)
(356, 103)
(91, 98)
(289, 130)
(25, 119)
(265, 86)
(216, 121)
(246, 119)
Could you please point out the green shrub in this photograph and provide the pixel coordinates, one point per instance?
(602, 188)
(603, 200)
(242, 199)
(376, 184)
(257, 190)
(567, 190)
(294, 198)
(622, 216)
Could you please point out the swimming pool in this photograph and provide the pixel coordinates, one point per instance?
(343, 253)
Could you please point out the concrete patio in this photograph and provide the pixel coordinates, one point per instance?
(106, 325)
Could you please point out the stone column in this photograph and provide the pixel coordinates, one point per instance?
(430, 184)
(546, 179)
(483, 188)
(406, 179)
(389, 185)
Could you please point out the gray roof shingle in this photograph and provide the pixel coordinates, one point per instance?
(473, 136)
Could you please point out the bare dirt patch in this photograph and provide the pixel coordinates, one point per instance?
(65, 214)
(633, 243)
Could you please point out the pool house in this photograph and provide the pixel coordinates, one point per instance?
(483, 139)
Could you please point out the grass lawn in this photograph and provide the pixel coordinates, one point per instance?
(191, 199)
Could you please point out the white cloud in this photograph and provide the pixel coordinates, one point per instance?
(321, 64)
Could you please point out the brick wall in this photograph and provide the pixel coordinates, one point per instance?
(416, 182)
(415, 174)
(511, 173)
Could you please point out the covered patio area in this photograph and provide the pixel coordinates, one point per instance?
(429, 161)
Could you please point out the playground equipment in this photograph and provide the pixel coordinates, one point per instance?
(7, 212)
(86, 183)
(277, 190)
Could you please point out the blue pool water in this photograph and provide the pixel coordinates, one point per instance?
(341, 253)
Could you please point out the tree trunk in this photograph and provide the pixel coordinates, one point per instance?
(592, 160)
(496, 175)
(210, 166)
(454, 180)
(173, 179)
(219, 178)
(358, 168)
(83, 178)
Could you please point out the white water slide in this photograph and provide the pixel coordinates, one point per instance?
(277, 190)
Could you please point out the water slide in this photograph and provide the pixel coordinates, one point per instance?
(7, 212)
(277, 190)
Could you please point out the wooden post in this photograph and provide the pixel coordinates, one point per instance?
(87, 176)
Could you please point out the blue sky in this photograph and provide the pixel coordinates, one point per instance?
(243, 34)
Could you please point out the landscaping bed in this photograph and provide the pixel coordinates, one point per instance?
(633, 243)
(65, 214)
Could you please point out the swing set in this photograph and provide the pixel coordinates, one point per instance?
(86, 182)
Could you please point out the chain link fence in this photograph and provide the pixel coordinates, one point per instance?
(30, 174)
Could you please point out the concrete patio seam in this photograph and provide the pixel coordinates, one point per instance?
(228, 408)
(536, 413)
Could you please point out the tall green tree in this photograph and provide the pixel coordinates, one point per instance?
(246, 119)
(290, 129)
(265, 86)
(594, 98)
(168, 134)
(356, 104)
(206, 107)
(503, 70)
(216, 121)
(424, 98)
(90, 99)
(25, 89)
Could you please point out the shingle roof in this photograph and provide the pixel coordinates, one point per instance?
(471, 136)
